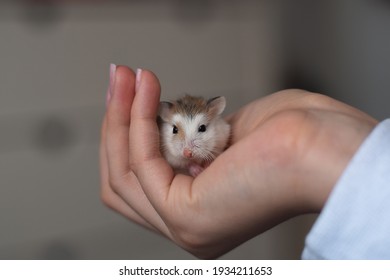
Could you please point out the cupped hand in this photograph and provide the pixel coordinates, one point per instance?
(286, 152)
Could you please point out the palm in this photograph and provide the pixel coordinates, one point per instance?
(242, 182)
(263, 177)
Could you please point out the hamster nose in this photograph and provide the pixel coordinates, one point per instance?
(187, 153)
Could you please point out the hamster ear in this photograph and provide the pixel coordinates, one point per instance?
(216, 105)
(164, 110)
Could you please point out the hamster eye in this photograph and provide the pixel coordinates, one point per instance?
(202, 128)
(175, 130)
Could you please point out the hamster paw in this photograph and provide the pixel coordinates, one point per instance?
(195, 169)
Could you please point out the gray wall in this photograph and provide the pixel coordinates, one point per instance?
(54, 75)
(340, 48)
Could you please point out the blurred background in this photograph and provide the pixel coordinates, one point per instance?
(54, 69)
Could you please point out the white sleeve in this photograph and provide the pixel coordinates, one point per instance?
(355, 222)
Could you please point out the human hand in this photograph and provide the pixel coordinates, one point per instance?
(287, 151)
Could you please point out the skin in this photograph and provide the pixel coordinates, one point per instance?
(287, 151)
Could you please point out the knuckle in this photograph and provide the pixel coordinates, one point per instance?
(194, 242)
(115, 183)
(292, 122)
(106, 198)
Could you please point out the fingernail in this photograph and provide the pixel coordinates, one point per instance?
(110, 89)
(138, 79)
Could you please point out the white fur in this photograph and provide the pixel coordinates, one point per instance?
(205, 146)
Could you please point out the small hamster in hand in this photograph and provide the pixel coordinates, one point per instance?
(192, 132)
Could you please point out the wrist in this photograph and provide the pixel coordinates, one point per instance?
(334, 139)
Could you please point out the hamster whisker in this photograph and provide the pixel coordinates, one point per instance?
(208, 156)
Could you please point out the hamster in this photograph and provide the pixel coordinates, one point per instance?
(192, 132)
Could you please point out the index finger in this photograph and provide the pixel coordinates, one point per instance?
(152, 170)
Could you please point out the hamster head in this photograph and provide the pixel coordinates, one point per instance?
(192, 129)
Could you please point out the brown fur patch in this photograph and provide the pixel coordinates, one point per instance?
(180, 134)
(190, 106)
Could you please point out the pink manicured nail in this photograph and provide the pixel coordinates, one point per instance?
(110, 89)
(138, 79)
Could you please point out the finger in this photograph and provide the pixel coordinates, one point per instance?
(153, 172)
(118, 120)
(108, 196)
(121, 178)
